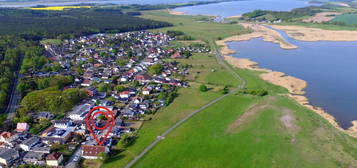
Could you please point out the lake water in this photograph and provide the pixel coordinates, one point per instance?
(328, 67)
(234, 8)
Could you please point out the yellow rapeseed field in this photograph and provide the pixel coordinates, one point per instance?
(58, 8)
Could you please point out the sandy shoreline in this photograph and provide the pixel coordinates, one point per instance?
(173, 12)
(316, 34)
(294, 85)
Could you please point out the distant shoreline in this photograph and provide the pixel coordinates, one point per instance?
(294, 85)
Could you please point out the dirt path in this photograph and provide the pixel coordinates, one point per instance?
(250, 114)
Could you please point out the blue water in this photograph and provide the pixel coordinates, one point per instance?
(328, 67)
(226, 9)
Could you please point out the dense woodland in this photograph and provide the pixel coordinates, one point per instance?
(73, 22)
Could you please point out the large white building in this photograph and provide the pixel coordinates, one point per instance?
(79, 112)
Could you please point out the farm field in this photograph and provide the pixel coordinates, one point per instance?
(59, 8)
(346, 18)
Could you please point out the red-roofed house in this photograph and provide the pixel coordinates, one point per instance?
(176, 55)
(6, 137)
(91, 152)
(86, 82)
(124, 94)
(143, 78)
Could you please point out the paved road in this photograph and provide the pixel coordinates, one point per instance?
(71, 162)
(221, 61)
(15, 97)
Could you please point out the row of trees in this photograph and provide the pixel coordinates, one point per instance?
(11, 49)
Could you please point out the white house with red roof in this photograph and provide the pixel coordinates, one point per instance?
(124, 94)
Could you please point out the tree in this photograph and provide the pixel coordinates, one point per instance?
(203, 88)
(122, 62)
(119, 88)
(22, 87)
(126, 140)
(155, 69)
(56, 67)
(103, 87)
(102, 157)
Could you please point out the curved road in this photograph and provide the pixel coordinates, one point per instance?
(221, 61)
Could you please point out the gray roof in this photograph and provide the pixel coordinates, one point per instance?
(31, 141)
(41, 149)
(34, 155)
(9, 154)
(80, 109)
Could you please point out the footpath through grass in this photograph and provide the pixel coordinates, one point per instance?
(204, 70)
(249, 131)
(240, 130)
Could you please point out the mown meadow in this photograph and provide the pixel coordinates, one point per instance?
(241, 130)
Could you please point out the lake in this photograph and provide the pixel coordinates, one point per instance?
(234, 8)
(328, 67)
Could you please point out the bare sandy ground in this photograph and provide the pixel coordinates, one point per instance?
(322, 17)
(236, 16)
(315, 34)
(172, 12)
(258, 31)
(294, 85)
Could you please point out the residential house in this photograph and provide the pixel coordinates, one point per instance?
(124, 94)
(57, 135)
(64, 124)
(91, 152)
(79, 112)
(29, 143)
(143, 78)
(86, 83)
(54, 159)
(7, 137)
(146, 91)
(22, 127)
(34, 158)
(45, 150)
(8, 156)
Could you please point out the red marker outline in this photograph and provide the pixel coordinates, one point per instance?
(106, 125)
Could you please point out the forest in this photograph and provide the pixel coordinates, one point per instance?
(74, 22)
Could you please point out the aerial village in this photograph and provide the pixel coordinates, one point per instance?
(133, 74)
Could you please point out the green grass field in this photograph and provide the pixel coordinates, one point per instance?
(217, 138)
(240, 130)
(346, 18)
(205, 31)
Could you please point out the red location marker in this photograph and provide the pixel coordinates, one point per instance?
(110, 119)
